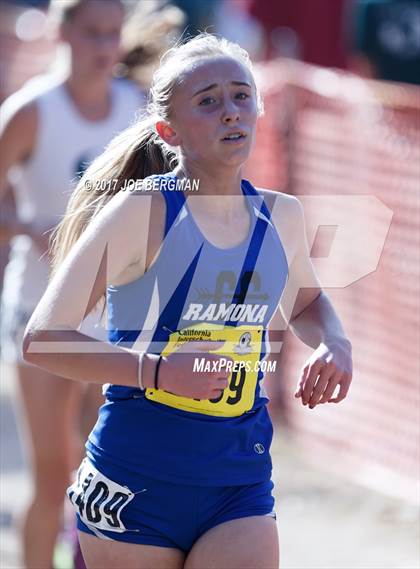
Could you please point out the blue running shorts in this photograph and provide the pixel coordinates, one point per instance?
(139, 509)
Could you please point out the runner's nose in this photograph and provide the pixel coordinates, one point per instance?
(230, 112)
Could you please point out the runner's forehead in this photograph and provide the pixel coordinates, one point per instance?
(199, 75)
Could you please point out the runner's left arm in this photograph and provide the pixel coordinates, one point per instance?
(310, 313)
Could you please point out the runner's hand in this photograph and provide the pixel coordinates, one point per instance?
(328, 367)
(177, 375)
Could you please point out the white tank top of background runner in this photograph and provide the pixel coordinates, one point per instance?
(65, 143)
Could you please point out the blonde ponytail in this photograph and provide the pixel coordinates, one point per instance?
(134, 154)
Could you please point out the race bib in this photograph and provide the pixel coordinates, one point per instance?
(242, 344)
(99, 501)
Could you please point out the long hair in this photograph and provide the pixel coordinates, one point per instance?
(138, 151)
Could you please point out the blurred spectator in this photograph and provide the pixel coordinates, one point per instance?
(308, 30)
(386, 40)
(200, 15)
(247, 31)
(28, 3)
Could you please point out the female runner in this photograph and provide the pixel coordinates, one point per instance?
(177, 472)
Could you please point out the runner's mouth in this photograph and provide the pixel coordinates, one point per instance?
(234, 136)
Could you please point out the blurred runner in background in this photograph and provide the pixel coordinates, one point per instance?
(51, 130)
(26, 50)
(151, 29)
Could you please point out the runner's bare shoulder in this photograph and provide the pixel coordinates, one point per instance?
(288, 218)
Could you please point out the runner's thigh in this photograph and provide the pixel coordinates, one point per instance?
(110, 554)
(244, 543)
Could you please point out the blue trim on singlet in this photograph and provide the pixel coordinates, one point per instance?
(175, 303)
(249, 263)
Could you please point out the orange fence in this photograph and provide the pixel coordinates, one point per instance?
(328, 133)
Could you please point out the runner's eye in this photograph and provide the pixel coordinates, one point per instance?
(242, 96)
(207, 101)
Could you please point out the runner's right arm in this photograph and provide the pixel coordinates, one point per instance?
(107, 251)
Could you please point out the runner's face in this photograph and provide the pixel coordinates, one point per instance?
(94, 37)
(214, 98)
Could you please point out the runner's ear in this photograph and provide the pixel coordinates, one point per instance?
(167, 133)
